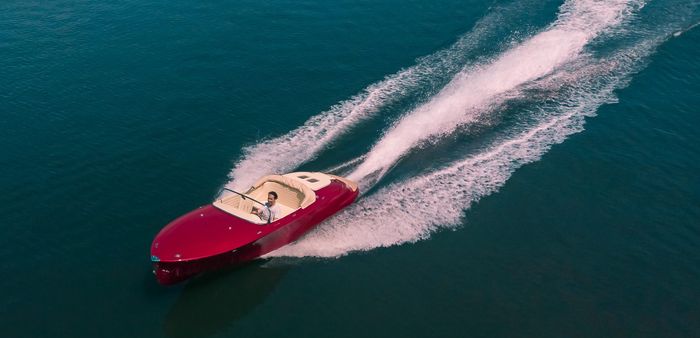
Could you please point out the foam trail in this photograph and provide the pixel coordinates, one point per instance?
(679, 33)
(343, 166)
(476, 88)
(284, 153)
(411, 210)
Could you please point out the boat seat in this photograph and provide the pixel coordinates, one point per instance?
(286, 196)
(246, 205)
(248, 216)
(235, 205)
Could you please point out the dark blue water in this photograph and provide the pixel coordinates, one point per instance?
(552, 192)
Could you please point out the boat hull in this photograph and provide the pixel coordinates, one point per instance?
(329, 201)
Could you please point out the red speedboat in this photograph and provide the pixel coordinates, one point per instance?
(227, 233)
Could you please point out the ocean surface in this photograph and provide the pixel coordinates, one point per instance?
(529, 168)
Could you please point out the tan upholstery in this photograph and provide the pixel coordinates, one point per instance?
(247, 205)
(294, 191)
(242, 208)
(235, 205)
(285, 195)
(292, 195)
(290, 191)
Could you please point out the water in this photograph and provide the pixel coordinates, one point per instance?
(528, 168)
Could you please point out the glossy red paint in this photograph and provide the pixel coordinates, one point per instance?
(208, 239)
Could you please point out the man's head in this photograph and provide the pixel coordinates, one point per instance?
(272, 197)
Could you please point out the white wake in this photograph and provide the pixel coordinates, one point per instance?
(285, 153)
(479, 87)
(570, 83)
(411, 210)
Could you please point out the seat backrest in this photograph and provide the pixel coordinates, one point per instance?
(246, 205)
(287, 196)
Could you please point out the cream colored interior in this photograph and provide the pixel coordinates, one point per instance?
(242, 208)
(290, 191)
(237, 206)
(294, 190)
(292, 195)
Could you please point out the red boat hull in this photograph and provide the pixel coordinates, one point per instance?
(239, 241)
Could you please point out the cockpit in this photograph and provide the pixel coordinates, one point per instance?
(293, 194)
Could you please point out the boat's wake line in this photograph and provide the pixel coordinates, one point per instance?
(414, 209)
(286, 152)
(475, 90)
(569, 84)
(685, 30)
